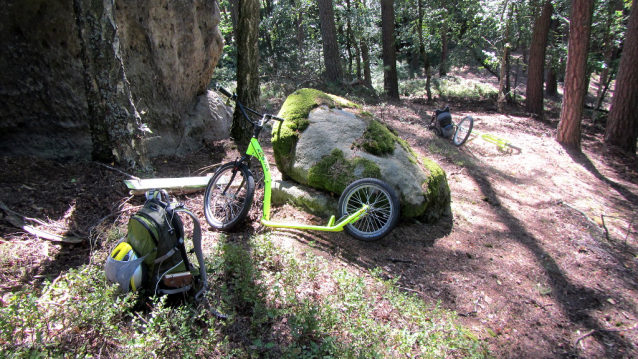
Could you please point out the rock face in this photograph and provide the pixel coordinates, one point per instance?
(326, 147)
(170, 50)
(68, 66)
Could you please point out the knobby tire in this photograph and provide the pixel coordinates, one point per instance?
(228, 196)
(383, 214)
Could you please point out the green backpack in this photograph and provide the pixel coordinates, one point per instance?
(153, 255)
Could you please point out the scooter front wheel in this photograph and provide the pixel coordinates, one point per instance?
(228, 196)
(383, 209)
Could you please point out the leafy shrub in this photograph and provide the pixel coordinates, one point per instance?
(277, 304)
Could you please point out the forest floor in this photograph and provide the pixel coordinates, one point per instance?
(538, 258)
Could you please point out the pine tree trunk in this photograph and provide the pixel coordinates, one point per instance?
(551, 80)
(611, 52)
(508, 87)
(115, 124)
(426, 60)
(247, 66)
(534, 93)
(501, 83)
(349, 42)
(390, 78)
(504, 60)
(622, 124)
(329, 39)
(365, 57)
(300, 38)
(576, 78)
(233, 5)
(443, 65)
(357, 56)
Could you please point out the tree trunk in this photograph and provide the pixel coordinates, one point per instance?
(575, 74)
(622, 124)
(116, 127)
(508, 87)
(611, 52)
(329, 39)
(357, 56)
(247, 66)
(300, 38)
(551, 81)
(426, 60)
(233, 4)
(536, 69)
(428, 78)
(390, 78)
(442, 65)
(349, 42)
(501, 83)
(365, 57)
(503, 78)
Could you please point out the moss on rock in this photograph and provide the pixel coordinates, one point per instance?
(295, 111)
(436, 191)
(377, 139)
(334, 172)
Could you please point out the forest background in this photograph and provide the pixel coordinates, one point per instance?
(542, 267)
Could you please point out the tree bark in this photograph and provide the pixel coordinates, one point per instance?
(551, 81)
(329, 39)
(247, 66)
(576, 78)
(611, 52)
(300, 38)
(536, 69)
(233, 5)
(442, 65)
(504, 68)
(116, 127)
(365, 57)
(390, 78)
(426, 60)
(622, 124)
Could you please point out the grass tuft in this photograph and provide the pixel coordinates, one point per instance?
(279, 305)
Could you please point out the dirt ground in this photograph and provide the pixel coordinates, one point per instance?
(539, 256)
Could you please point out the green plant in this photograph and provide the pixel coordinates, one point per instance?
(457, 87)
(77, 304)
(279, 304)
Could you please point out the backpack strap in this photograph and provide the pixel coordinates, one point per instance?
(197, 247)
(170, 253)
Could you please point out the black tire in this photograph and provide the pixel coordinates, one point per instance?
(463, 130)
(228, 196)
(383, 214)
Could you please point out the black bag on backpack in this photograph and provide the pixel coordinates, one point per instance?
(153, 255)
(444, 119)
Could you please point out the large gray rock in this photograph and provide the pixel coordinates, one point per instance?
(337, 146)
(159, 60)
(170, 50)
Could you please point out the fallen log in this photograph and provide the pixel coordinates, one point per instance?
(171, 185)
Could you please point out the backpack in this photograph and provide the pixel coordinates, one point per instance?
(444, 119)
(153, 255)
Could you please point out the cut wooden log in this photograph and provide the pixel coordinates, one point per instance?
(171, 185)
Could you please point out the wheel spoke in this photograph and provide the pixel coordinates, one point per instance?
(227, 196)
(379, 209)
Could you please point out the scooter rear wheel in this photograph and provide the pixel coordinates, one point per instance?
(383, 212)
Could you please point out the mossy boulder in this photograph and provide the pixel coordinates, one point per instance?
(327, 142)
